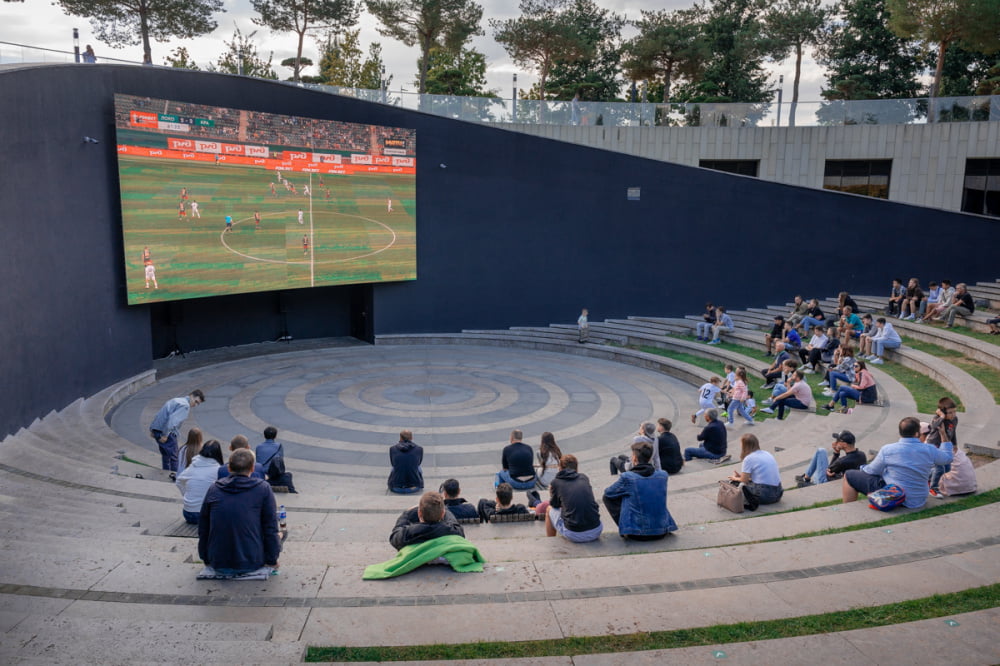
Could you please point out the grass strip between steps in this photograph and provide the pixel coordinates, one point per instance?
(986, 374)
(925, 391)
(938, 605)
(135, 462)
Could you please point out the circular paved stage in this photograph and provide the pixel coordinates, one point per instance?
(345, 406)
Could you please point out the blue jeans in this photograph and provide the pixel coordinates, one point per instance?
(939, 471)
(879, 346)
(700, 452)
(808, 323)
(719, 328)
(168, 450)
(834, 376)
(740, 406)
(406, 491)
(818, 466)
(703, 328)
(503, 476)
(790, 403)
(191, 516)
(845, 392)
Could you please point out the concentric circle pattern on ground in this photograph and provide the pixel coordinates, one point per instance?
(345, 406)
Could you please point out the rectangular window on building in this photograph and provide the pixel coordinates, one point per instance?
(981, 191)
(741, 167)
(868, 178)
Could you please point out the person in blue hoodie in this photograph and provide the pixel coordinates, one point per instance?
(238, 530)
(406, 457)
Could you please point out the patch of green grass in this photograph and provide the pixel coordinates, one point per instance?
(986, 374)
(925, 391)
(962, 330)
(135, 462)
(939, 605)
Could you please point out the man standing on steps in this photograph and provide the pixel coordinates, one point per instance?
(167, 423)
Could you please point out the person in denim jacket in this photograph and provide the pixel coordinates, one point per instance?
(637, 501)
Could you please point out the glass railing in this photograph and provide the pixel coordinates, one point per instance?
(625, 114)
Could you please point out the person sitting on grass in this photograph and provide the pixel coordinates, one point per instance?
(759, 474)
(637, 501)
(862, 390)
(502, 506)
(820, 471)
(885, 337)
(798, 396)
(906, 463)
(428, 520)
(457, 505)
(572, 512)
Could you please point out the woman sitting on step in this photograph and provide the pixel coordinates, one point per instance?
(758, 474)
(199, 476)
(862, 390)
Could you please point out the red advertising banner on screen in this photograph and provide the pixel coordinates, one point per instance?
(144, 119)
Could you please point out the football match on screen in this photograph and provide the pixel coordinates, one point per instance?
(221, 201)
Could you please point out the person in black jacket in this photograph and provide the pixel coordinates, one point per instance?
(517, 464)
(406, 476)
(572, 511)
(713, 439)
(671, 460)
(458, 506)
(503, 505)
(237, 526)
(428, 520)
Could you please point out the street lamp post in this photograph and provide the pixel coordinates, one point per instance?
(513, 99)
(76, 45)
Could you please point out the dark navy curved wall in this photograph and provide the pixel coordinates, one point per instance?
(513, 230)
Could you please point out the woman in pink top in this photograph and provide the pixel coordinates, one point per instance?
(863, 383)
(799, 396)
(738, 397)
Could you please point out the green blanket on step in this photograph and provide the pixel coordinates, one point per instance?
(460, 553)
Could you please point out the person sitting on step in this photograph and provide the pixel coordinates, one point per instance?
(502, 506)
(517, 464)
(453, 501)
(406, 457)
(821, 471)
(637, 501)
(428, 520)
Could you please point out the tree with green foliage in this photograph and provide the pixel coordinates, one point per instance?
(973, 23)
(670, 44)
(296, 65)
(965, 71)
(126, 22)
(734, 71)
(595, 77)
(302, 16)
(180, 58)
(541, 36)
(241, 57)
(462, 74)
(341, 62)
(791, 25)
(863, 58)
(429, 24)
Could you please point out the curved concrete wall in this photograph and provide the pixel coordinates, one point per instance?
(515, 229)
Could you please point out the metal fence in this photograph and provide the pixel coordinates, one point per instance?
(626, 114)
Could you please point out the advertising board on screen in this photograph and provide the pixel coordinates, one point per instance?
(222, 201)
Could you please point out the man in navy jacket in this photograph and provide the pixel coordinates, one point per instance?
(238, 528)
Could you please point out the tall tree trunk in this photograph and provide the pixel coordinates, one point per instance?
(936, 86)
(795, 86)
(298, 56)
(425, 54)
(147, 53)
(668, 74)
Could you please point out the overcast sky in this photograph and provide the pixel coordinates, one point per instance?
(42, 24)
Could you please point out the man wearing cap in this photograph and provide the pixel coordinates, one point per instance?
(820, 472)
(906, 463)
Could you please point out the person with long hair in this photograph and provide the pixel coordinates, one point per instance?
(758, 474)
(548, 458)
(190, 449)
(200, 475)
(738, 401)
(861, 390)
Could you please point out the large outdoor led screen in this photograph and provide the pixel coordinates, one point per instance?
(223, 201)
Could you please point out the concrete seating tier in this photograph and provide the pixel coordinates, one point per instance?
(90, 562)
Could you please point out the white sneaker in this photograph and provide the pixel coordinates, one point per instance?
(877, 361)
(824, 383)
(767, 410)
(827, 392)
